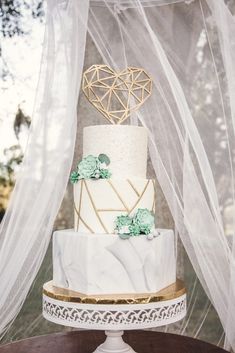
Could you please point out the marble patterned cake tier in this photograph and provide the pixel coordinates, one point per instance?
(125, 145)
(107, 264)
(97, 203)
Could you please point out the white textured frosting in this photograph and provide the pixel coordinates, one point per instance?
(125, 145)
(107, 264)
(97, 203)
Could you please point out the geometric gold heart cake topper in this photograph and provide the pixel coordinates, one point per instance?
(116, 94)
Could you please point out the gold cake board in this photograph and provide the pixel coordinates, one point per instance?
(173, 291)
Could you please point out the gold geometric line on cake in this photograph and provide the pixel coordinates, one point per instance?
(155, 194)
(80, 203)
(116, 94)
(94, 207)
(140, 197)
(153, 206)
(111, 210)
(118, 195)
(133, 187)
(82, 220)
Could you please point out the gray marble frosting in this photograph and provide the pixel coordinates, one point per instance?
(106, 264)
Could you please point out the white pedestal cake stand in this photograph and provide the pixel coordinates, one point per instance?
(114, 314)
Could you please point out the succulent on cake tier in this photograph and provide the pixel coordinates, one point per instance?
(142, 222)
(91, 167)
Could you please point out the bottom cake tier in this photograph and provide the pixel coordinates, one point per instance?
(106, 264)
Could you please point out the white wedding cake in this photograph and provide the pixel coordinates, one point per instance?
(114, 248)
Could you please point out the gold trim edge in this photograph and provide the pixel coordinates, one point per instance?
(173, 291)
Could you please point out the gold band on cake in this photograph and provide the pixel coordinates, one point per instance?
(173, 291)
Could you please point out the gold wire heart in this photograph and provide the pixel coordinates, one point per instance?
(116, 95)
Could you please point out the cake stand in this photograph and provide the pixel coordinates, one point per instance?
(114, 314)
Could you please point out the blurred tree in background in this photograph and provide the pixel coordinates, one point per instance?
(13, 157)
(14, 23)
(11, 14)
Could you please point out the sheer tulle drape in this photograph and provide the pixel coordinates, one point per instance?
(40, 187)
(225, 24)
(188, 48)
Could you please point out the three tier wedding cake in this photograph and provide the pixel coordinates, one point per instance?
(114, 248)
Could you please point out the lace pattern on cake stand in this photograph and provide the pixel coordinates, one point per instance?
(116, 317)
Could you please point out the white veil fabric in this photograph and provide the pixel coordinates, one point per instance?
(26, 229)
(188, 48)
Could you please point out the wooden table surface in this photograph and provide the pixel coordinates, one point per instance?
(87, 341)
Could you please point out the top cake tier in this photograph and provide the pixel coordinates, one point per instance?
(125, 145)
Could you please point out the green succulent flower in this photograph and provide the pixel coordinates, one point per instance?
(103, 158)
(105, 174)
(74, 177)
(146, 229)
(92, 167)
(87, 167)
(123, 221)
(144, 219)
(96, 174)
(134, 229)
(141, 223)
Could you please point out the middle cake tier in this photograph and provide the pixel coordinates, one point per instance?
(98, 203)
